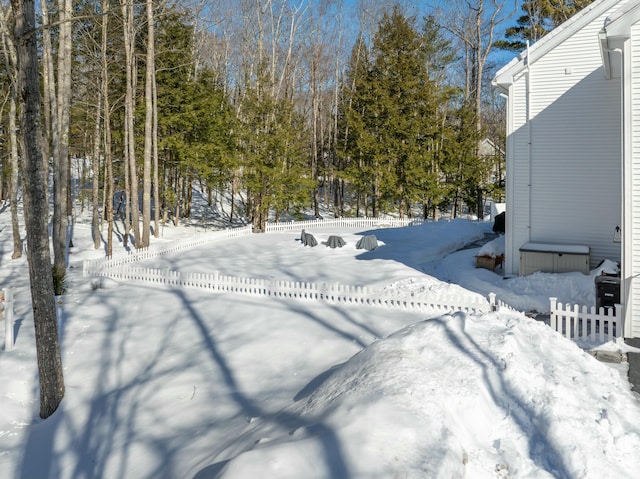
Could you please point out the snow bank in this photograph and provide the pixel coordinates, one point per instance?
(456, 396)
(493, 248)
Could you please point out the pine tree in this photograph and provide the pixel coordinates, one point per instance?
(440, 56)
(391, 113)
(207, 127)
(353, 145)
(538, 19)
(273, 164)
(175, 92)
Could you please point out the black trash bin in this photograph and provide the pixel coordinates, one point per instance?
(607, 291)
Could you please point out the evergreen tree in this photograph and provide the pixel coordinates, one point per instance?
(391, 113)
(440, 56)
(207, 127)
(464, 170)
(174, 46)
(273, 164)
(354, 143)
(538, 19)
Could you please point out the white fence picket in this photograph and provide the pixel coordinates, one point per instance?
(586, 324)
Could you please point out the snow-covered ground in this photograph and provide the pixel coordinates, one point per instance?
(165, 382)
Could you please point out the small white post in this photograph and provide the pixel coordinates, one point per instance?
(618, 312)
(553, 319)
(7, 299)
(492, 301)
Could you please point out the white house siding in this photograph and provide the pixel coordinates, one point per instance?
(633, 197)
(575, 172)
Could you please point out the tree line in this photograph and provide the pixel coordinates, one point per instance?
(254, 100)
(276, 106)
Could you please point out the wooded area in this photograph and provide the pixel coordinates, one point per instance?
(280, 105)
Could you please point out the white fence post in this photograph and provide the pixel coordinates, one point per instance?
(7, 299)
(492, 302)
(619, 314)
(553, 319)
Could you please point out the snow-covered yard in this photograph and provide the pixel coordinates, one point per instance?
(167, 382)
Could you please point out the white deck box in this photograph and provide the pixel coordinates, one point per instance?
(553, 258)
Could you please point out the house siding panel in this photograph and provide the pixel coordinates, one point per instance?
(568, 94)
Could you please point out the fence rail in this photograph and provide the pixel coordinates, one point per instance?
(343, 223)
(333, 293)
(91, 267)
(198, 239)
(582, 323)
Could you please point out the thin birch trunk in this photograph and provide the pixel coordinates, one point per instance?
(156, 178)
(61, 156)
(108, 204)
(148, 127)
(129, 45)
(15, 170)
(11, 65)
(95, 166)
(50, 146)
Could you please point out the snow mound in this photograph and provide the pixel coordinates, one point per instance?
(456, 396)
(608, 266)
(493, 248)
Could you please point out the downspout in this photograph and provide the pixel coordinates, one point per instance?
(529, 142)
(626, 253)
(626, 283)
(508, 265)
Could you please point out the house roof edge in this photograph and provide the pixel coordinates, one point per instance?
(504, 77)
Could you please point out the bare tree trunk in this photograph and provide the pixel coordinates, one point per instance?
(95, 166)
(148, 127)
(130, 144)
(176, 220)
(11, 65)
(107, 127)
(156, 178)
(61, 153)
(476, 25)
(49, 91)
(36, 212)
(15, 171)
(315, 113)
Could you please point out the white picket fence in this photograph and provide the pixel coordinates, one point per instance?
(119, 267)
(497, 305)
(333, 293)
(582, 323)
(574, 322)
(92, 267)
(343, 223)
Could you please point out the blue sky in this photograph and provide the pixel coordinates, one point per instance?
(511, 11)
